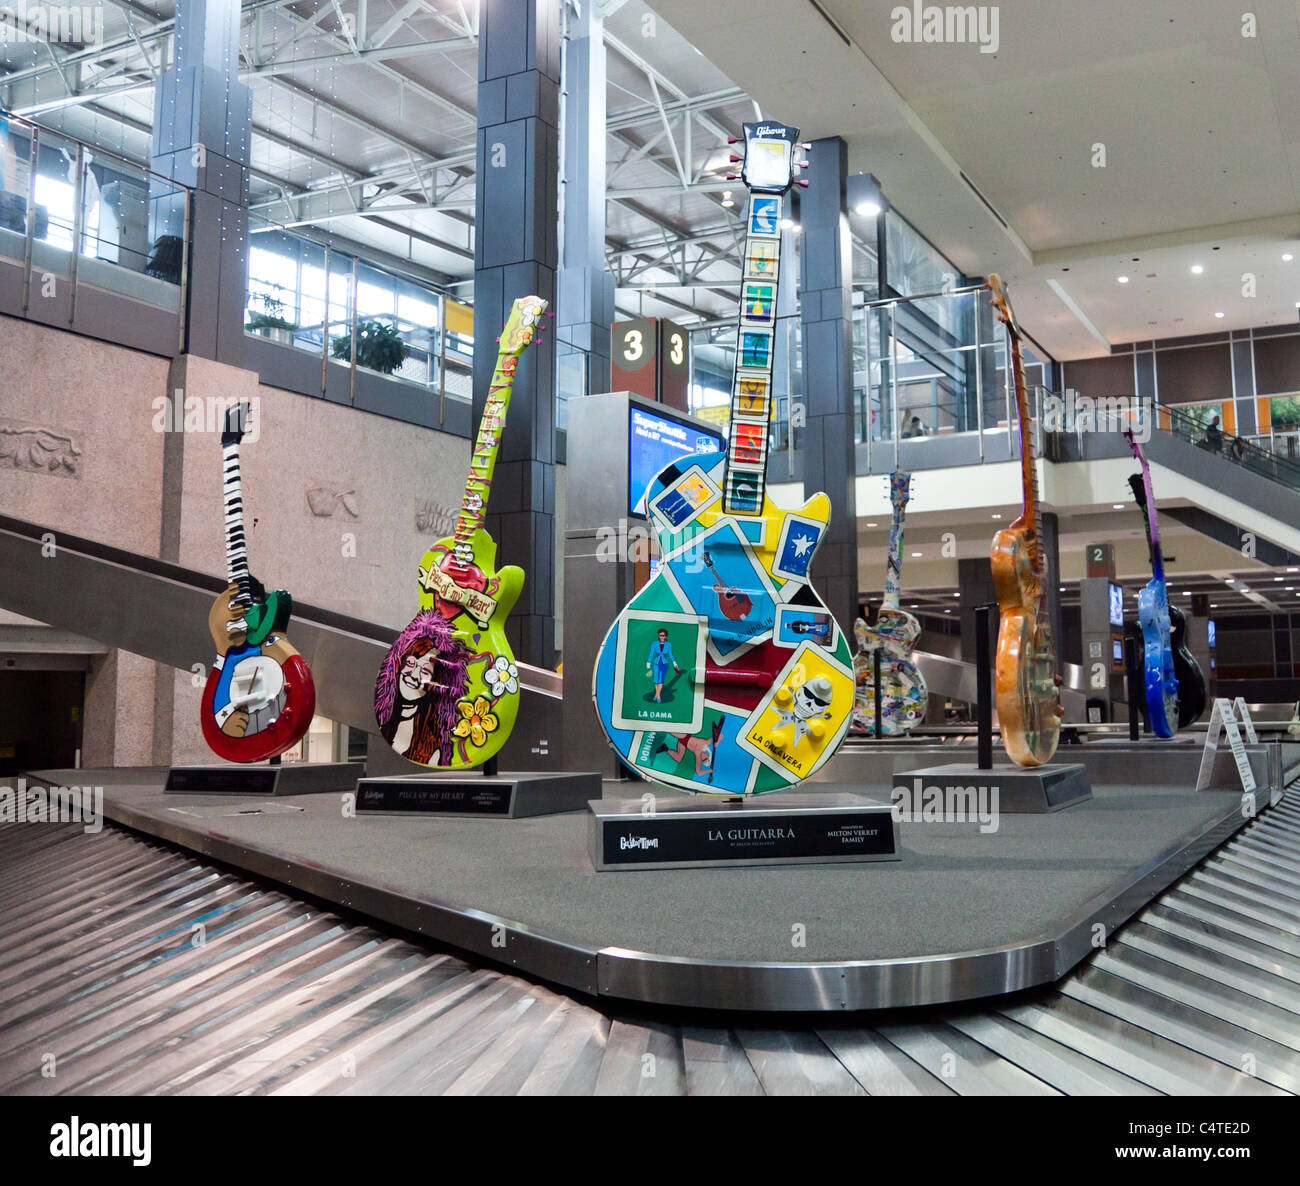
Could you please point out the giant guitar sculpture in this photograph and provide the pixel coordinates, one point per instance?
(447, 693)
(726, 675)
(1174, 685)
(259, 697)
(903, 694)
(1028, 697)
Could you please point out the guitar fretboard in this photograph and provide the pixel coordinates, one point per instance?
(751, 389)
(894, 566)
(1028, 470)
(236, 546)
(482, 462)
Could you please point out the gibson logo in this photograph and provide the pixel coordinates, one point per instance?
(771, 130)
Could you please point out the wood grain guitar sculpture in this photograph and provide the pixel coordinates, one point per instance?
(259, 697)
(903, 693)
(1174, 685)
(448, 691)
(1028, 697)
(726, 674)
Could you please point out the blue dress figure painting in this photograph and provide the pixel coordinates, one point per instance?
(659, 660)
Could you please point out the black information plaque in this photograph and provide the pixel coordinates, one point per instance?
(507, 796)
(797, 829)
(289, 778)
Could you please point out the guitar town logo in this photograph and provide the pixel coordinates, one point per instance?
(642, 843)
(951, 24)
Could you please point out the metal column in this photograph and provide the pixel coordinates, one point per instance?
(201, 138)
(515, 254)
(585, 289)
(830, 456)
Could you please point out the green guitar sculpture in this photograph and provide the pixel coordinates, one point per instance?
(448, 690)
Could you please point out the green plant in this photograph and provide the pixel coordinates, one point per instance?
(379, 347)
(271, 317)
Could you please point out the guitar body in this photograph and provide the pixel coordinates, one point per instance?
(696, 695)
(1193, 694)
(447, 693)
(259, 697)
(1161, 684)
(903, 692)
(1026, 685)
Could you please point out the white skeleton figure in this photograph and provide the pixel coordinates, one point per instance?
(812, 702)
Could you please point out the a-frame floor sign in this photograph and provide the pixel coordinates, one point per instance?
(1223, 719)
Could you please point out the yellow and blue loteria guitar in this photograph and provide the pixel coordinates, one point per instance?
(448, 690)
(726, 674)
(903, 693)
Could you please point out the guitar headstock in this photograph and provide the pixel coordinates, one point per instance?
(1139, 488)
(900, 489)
(1000, 301)
(522, 325)
(768, 165)
(238, 419)
(1135, 446)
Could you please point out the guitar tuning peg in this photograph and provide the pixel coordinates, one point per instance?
(733, 139)
(803, 164)
(734, 159)
(801, 182)
(733, 177)
(806, 146)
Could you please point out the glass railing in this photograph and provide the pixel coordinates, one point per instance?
(74, 210)
(339, 307)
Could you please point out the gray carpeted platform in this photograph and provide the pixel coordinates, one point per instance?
(955, 891)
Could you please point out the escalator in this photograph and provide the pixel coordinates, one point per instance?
(159, 610)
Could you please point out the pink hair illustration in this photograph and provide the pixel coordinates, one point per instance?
(435, 714)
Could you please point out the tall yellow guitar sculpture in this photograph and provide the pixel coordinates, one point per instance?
(448, 691)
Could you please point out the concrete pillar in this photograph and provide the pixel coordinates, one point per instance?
(201, 138)
(515, 254)
(829, 455)
(585, 289)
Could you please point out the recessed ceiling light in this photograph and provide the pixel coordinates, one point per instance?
(1123, 279)
(1293, 570)
(1197, 269)
(1214, 605)
(1119, 506)
(873, 524)
(947, 611)
(997, 516)
(1220, 315)
(787, 223)
(1279, 579)
(867, 209)
(916, 554)
(1289, 589)
(1188, 593)
(1287, 258)
(956, 594)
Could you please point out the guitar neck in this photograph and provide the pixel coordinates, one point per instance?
(1152, 525)
(745, 484)
(236, 545)
(482, 462)
(1028, 470)
(894, 565)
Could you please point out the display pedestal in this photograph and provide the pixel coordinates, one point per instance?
(1021, 790)
(685, 833)
(506, 796)
(290, 778)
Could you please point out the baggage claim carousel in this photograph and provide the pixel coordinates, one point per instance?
(214, 943)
